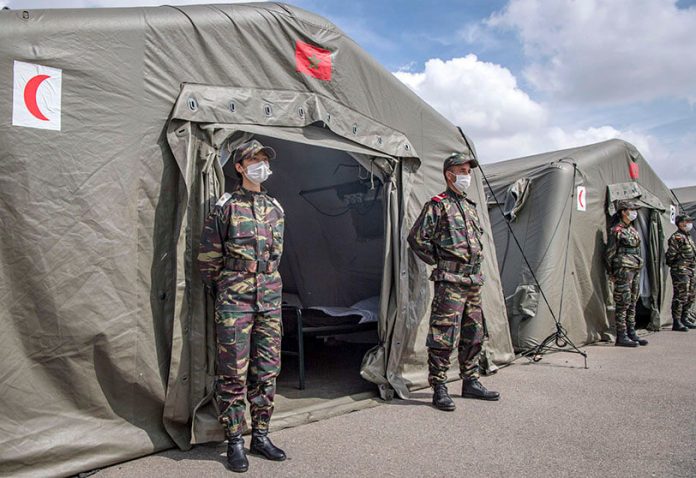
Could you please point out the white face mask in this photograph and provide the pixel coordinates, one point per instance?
(258, 172)
(689, 226)
(632, 215)
(463, 182)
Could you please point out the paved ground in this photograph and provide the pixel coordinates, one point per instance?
(632, 413)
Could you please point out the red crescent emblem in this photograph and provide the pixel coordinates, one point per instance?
(30, 96)
(580, 201)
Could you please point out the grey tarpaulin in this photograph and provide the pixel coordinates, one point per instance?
(105, 346)
(542, 227)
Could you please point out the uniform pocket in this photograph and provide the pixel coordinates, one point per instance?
(443, 334)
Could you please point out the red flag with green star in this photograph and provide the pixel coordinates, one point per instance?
(312, 61)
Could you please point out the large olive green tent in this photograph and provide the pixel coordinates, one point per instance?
(560, 206)
(113, 143)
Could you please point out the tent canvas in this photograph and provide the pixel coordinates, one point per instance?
(560, 204)
(687, 202)
(106, 345)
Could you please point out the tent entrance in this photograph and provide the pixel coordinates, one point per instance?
(336, 200)
(649, 227)
(332, 265)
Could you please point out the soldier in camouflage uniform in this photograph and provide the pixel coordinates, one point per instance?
(447, 234)
(624, 262)
(238, 259)
(681, 258)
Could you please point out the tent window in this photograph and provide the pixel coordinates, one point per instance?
(515, 198)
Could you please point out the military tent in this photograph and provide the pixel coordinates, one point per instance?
(113, 145)
(560, 206)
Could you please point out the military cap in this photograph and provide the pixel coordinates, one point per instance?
(249, 149)
(627, 204)
(455, 159)
(684, 218)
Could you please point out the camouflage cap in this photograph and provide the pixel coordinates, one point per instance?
(627, 204)
(455, 159)
(249, 149)
(684, 218)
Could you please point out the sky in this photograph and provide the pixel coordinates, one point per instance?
(527, 76)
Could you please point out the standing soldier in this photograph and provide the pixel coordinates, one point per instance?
(447, 234)
(681, 258)
(238, 259)
(624, 262)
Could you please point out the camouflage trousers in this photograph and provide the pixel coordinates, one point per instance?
(248, 362)
(456, 320)
(684, 284)
(626, 290)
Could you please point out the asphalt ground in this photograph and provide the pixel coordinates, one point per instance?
(632, 413)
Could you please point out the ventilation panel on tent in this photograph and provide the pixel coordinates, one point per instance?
(515, 198)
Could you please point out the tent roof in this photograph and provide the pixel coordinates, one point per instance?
(158, 49)
(686, 194)
(588, 156)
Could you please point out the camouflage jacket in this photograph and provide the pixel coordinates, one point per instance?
(240, 250)
(624, 248)
(681, 251)
(447, 234)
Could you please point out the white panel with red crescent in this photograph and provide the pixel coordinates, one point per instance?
(581, 198)
(36, 100)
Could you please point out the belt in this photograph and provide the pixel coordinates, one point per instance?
(245, 265)
(458, 267)
(629, 250)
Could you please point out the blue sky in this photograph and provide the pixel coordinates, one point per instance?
(527, 76)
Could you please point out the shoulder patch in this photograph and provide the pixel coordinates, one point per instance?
(439, 197)
(277, 204)
(223, 199)
(616, 228)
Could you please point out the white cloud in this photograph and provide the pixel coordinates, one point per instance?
(481, 97)
(504, 122)
(606, 51)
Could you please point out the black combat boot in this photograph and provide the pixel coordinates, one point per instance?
(441, 399)
(687, 323)
(622, 340)
(472, 388)
(236, 457)
(633, 336)
(678, 326)
(262, 445)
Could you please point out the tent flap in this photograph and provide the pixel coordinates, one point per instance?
(632, 190)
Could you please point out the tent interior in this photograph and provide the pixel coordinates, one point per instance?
(331, 267)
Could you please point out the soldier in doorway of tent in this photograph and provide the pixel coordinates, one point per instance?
(447, 234)
(681, 258)
(624, 262)
(238, 259)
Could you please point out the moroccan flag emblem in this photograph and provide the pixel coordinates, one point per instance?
(312, 61)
